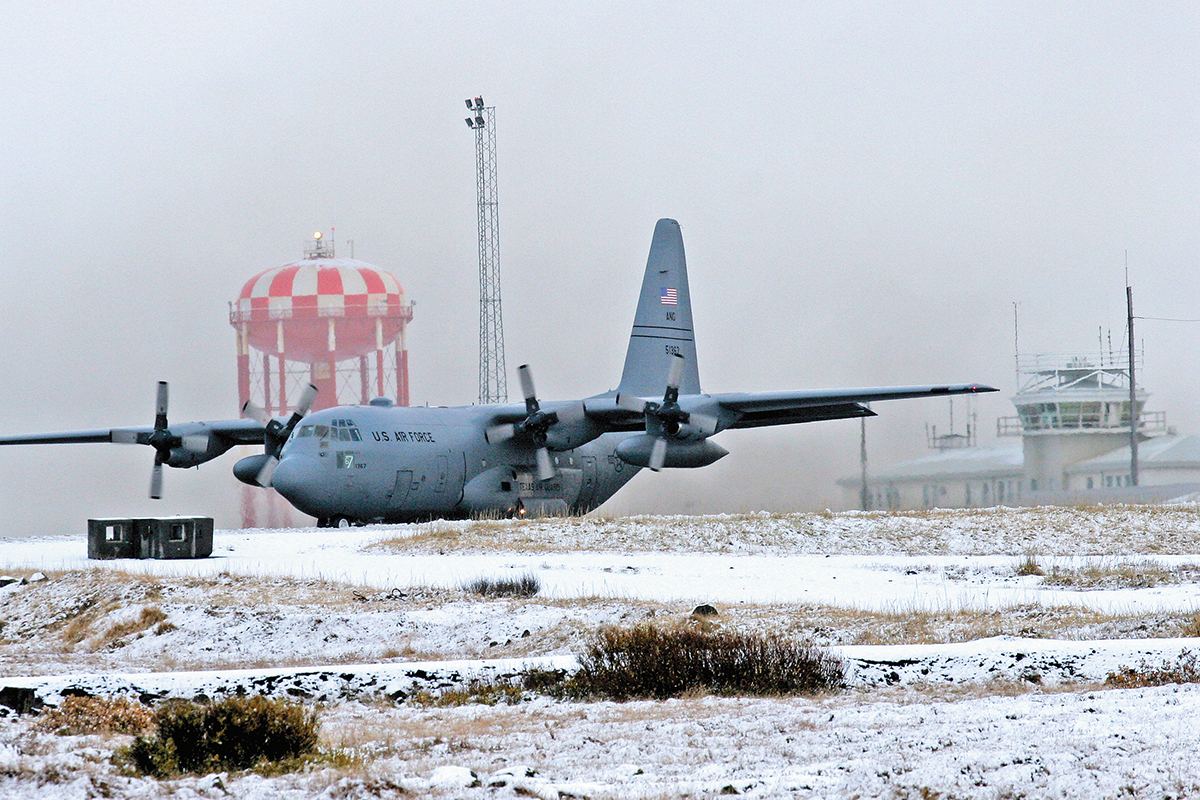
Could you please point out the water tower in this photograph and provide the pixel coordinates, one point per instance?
(334, 322)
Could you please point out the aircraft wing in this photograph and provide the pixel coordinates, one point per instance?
(758, 409)
(67, 437)
(232, 431)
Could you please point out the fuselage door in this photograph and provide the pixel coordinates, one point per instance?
(443, 472)
(404, 484)
(589, 479)
(589, 473)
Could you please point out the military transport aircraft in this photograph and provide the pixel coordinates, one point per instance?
(380, 462)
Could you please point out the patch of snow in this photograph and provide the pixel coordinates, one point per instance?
(987, 718)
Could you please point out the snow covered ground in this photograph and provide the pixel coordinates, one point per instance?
(970, 674)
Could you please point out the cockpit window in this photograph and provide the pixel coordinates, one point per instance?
(339, 430)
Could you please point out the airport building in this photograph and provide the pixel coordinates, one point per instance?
(1070, 443)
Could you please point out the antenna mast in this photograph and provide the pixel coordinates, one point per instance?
(1133, 408)
(493, 385)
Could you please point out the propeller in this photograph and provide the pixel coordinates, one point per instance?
(276, 433)
(667, 419)
(535, 425)
(161, 439)
(167, 445)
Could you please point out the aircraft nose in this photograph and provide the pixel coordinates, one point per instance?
(293, 476)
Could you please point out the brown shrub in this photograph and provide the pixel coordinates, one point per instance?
(650, 661)
(77, 716)
(1184, 669)
(236, 733)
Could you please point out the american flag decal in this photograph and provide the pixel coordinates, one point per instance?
(668, 296)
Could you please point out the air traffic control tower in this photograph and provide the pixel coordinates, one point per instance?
(1072, 408)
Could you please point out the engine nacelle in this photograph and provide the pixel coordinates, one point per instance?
(691, 433)
(248, 469)
(197, 444)
(569, 435)
(680, 453)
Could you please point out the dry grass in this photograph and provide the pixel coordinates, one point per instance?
(526, 585)
(956, 691)
(831, 625)
(149, 617)
(85, 620)
(1048, 530)
(474, 692)
(1111, 574)
(1029, 566)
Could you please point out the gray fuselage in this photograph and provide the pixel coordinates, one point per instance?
(400, 464)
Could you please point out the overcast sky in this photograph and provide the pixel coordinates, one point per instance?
(865, 190)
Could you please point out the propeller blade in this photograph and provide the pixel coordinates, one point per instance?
(305, 401)
(631, 402)
(160, 406)
(161, 440)
(263, 478)
(156, 481)
(658, 455)
(500, 433)
(525, 375)
(256, 413)
(675, 371)
(545, 469)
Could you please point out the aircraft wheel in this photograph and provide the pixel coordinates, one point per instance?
(339, 521)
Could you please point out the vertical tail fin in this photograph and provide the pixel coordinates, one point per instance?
(662, 326)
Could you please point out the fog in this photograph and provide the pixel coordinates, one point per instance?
(866, 190)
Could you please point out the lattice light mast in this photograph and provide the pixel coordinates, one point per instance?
(493, 384)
